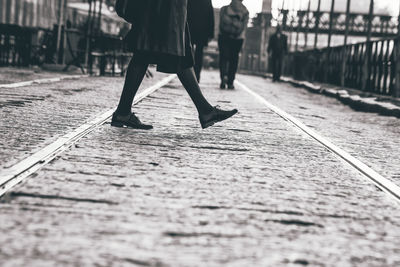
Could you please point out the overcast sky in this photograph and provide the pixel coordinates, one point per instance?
(381, 6)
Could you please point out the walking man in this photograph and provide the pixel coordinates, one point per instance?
(201, 25)
(277, 49)
(233, 23)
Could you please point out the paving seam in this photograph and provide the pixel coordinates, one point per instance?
(381, 182)
(41, 81)
(9, 177)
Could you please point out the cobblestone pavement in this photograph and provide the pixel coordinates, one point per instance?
(372, 138)
(39, 114)
(12, 75)
(251, 191)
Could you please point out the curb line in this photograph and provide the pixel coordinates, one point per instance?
(358, 103)
(42, 81)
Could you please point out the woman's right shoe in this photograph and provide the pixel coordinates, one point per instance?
(216, 115)
(130, 121)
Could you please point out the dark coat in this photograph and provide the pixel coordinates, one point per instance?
(160, 28)
(233, 20)
(277, 47)
(201, 21)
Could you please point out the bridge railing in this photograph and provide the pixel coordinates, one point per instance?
(370, 66)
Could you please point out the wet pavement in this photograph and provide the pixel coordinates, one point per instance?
(250, 191)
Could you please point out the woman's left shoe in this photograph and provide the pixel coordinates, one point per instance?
(216, 115)
(130, 121)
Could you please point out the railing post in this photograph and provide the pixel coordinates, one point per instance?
(368, 50)
(61, 21)
(331, 14)
(317, 21)
(344, 59)
(88, 36)
(307, 24)
(396, 91)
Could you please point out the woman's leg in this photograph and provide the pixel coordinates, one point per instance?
(123, 117)
(208, 114)
(189, 81)
(134, 77)
(198, 60)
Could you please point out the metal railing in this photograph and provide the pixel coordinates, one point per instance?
(15, 45)
(370, 66)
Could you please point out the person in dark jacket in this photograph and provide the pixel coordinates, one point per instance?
(277, 49)
(232, 29)
(201, 25)
(160, 36)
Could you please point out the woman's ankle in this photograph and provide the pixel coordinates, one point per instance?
(122, 113)
(205, 110)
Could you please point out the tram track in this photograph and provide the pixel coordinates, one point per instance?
(378, 180)
(17, 173)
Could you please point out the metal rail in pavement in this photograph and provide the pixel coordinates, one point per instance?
(14, 175)
(381, 182)
(17, 173)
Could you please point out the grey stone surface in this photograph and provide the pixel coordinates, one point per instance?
(372, 138)
(10, 75)
(358, 100)
(33, 116)
(251, 191)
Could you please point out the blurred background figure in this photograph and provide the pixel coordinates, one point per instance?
(201, 25)
(277, 48)
(233, 22)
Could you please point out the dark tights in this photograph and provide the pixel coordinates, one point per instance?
(189, 81)
(134, 77)
(198, 60)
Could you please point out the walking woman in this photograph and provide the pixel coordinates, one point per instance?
(160, 36)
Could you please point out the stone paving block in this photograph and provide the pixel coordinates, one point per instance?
(37, 115)
(10, 75)
(251, 191)
(372, 138)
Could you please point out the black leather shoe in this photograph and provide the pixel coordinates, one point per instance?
(231, 86)
(130, 121)
(216, 115)
(222, 86)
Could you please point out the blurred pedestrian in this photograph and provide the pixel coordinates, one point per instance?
(201, 25)
(277, 49)
(232, 26)
(160, 36)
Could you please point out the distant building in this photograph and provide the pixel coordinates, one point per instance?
(27, 13)
(29, 31)
(44, 14)
(253, 55)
